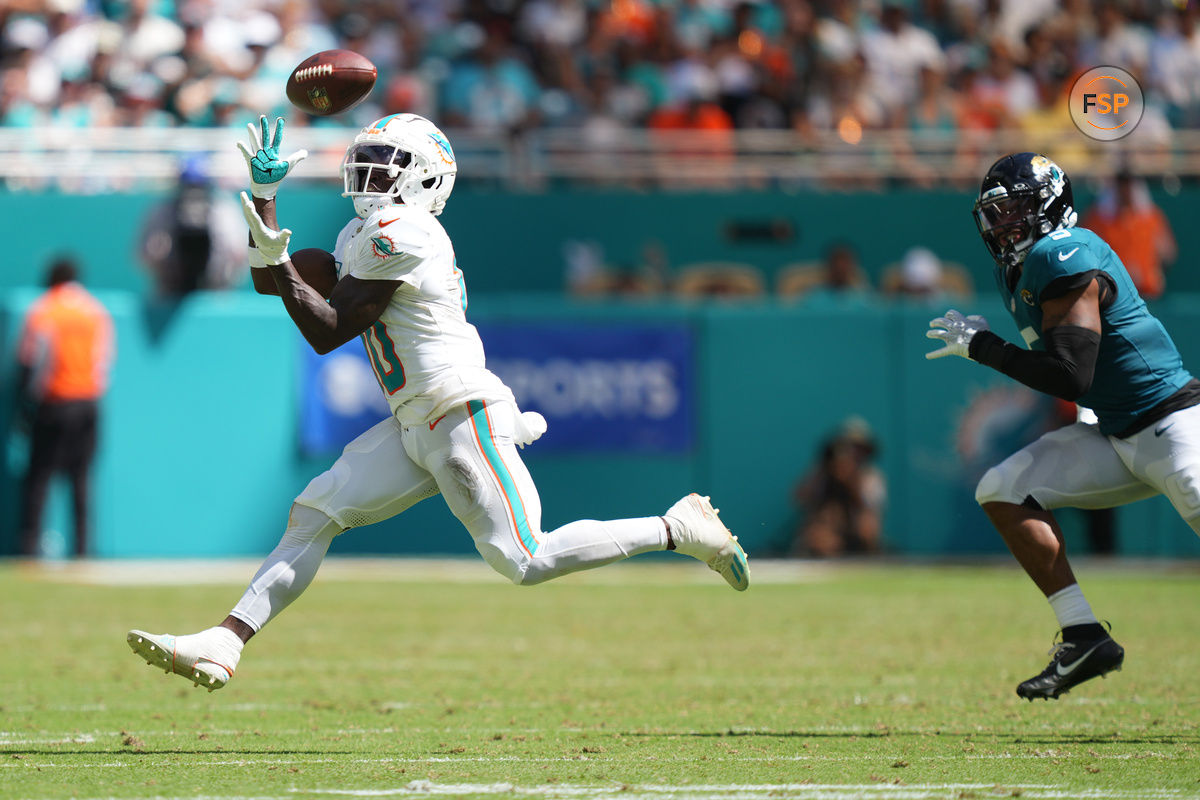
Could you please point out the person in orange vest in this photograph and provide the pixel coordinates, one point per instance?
(64, 356)
(1137, 230)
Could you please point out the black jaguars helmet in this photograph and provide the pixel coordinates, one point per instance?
(1024, 196)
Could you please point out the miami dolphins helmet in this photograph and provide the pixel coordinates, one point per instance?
(401, 158)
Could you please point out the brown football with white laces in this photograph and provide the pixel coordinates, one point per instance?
(331, 82)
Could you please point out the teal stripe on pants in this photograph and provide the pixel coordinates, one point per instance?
(484, 433)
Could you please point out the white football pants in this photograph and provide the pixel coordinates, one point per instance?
(469, 456)
(1079, 467)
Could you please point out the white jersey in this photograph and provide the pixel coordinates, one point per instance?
(427, 357)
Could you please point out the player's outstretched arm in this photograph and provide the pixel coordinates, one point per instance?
(316, 267)
(1071, 335)
(267, 170)
(353, 306)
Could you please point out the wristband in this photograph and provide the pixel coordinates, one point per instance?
(255, 257)
(264, 191)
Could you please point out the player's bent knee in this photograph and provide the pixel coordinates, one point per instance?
(509, 566)
(533, 574)
(996, 486)
(308, 523)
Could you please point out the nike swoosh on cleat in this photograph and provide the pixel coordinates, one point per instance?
(1062, 673)
(1066, 255)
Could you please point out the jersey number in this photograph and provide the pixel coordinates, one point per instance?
(382, 352)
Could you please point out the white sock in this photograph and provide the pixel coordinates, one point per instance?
(1071, 607)
(589, 543)
(289, 569)
(219, 645)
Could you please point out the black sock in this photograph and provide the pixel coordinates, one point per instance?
(1084, 633)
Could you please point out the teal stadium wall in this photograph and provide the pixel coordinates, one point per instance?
(199, 452)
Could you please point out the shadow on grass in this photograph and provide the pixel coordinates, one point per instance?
(978, 737)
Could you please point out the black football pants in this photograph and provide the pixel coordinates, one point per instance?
(63, 440)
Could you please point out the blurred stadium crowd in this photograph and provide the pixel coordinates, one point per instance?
(503, 66)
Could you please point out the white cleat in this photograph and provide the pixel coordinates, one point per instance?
(701, 535)
(207, 658)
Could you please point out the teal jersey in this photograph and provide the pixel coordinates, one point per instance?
(1138, 366)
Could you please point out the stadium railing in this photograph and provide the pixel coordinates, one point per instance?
(101, 160)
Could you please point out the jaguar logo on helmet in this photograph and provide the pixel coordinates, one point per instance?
(1049, 173)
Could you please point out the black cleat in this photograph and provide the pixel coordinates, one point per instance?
(1076, 659)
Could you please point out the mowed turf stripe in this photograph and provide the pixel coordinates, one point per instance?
(30, 761)
(805, 791)
(799, 791)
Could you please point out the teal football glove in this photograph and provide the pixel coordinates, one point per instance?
(956, 331)
(272, 244)
(267, 169)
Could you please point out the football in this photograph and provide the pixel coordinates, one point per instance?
(316, 268)
(331, 82)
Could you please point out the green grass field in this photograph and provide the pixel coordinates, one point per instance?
(642, 680)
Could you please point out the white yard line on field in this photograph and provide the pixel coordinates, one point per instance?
(12, 738)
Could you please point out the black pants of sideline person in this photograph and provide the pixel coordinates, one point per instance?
(63, 440)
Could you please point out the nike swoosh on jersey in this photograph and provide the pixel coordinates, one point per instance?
(1062, 673)
(383, 224)
(1163, 429)
(1066, 255)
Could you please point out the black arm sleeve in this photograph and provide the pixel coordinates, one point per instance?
(1065, 369)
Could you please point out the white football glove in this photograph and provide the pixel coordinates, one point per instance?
(267, 169)
(272, 244)
(530, 425)
(956, 331)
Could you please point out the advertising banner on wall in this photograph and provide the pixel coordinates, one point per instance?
(601, 388)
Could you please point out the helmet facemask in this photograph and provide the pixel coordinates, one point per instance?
(1009, 225)
(369, 175)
